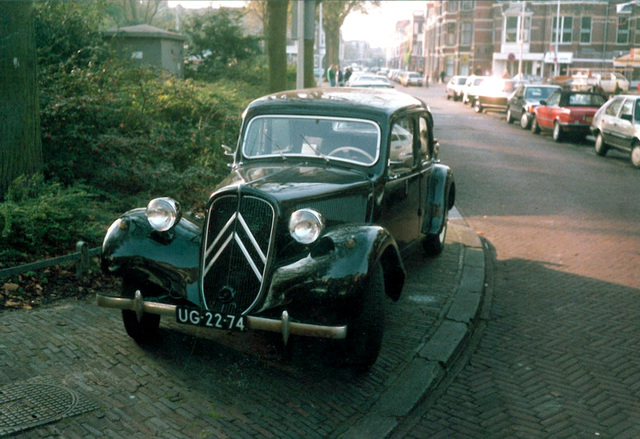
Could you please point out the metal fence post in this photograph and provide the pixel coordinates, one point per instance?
(82, 265)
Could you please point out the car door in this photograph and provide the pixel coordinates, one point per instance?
(545, 114)
(608, 125)
(400, 213)
(516, 102)
(624, 132)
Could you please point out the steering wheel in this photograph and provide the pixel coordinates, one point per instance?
(351, 149)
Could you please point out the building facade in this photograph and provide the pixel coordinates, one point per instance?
(542, 37)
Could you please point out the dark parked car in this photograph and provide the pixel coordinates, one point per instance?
(617, 125)
(524, 99)
(492, 94)
(567, 111)
(329, 191)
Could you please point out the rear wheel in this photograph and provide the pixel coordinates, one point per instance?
(600, 146)
(635, 155)
(365, 329)
(509, 116)
(433, 243)
(558, 135)
(477, 106)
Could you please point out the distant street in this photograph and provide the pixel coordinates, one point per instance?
(560, 352)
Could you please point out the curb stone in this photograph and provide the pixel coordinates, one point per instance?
(434, 360)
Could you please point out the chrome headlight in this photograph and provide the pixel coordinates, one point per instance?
(163, 213)
(306, 225)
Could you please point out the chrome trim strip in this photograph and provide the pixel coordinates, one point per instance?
(222, 232)
(217, 255)
(252, 238)
(255, 323)
(247, 256)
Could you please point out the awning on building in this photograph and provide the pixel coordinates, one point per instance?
(627, 61)
(563, 57)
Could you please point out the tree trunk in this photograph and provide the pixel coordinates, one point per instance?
(277, 44)
(20, 145)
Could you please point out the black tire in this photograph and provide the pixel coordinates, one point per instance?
(366, 328)
(535, 128)
(635, 155)
(600, 146)
(509, 116)
(143, 330)
(525, 120)
(477, 106)
(433, 243)
(557, 134)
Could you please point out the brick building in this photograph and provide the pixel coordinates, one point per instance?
(542, 37)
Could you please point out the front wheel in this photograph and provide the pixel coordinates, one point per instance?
(142, 330)
(600, 146)
(524, 121)
(557, 132)
(635, 155)
(366, 327)
(535, 128)
(477, 106)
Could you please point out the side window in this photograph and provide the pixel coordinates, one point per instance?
(426, 139)
(554, 99)
(401, 145)
(612, 109)
(627, 110)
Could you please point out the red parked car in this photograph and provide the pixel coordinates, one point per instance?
(566, 112)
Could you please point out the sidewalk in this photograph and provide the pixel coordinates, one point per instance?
(434, 357)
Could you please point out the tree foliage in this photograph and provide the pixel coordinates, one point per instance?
(334, 13)
(217, 41)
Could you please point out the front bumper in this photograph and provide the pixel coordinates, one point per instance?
(283, 326)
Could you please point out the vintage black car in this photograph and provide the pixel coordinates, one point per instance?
(329, 190)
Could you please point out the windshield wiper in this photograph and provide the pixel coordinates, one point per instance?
(318, 153)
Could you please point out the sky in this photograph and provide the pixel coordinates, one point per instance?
(377, 27)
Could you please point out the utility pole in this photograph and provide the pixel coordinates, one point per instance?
(300, 65)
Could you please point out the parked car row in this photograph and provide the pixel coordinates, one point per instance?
(564, 112)
(406, 78)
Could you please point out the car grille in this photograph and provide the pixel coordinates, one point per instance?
(237, 248)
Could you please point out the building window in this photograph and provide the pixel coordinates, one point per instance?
(637, 33)
(451, 34)
(566, 30)
(585, 30)
(623, 30)
(452, 6)
(512, 29)
(465, 33)
(467, 5)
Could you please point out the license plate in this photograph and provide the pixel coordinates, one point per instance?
(210, 319)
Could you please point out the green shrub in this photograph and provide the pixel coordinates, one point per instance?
(39, 219)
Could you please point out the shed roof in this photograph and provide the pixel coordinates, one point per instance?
(143, 31)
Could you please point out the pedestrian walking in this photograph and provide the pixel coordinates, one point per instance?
(331, 76)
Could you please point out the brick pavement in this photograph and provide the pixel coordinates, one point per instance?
(197, 383)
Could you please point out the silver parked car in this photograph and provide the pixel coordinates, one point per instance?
(617, 125)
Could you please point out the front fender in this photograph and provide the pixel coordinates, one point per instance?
(335, 268)
(165, 262)
(440, 198)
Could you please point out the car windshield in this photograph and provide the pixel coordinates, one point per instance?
(539, 93)
(349, 140)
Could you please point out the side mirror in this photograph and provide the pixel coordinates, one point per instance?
(543, 102)
(627, 117)
(228, 151)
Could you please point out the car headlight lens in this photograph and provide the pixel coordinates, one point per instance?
(306, 225)
(163, 213)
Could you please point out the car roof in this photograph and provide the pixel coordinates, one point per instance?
(336, 101)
